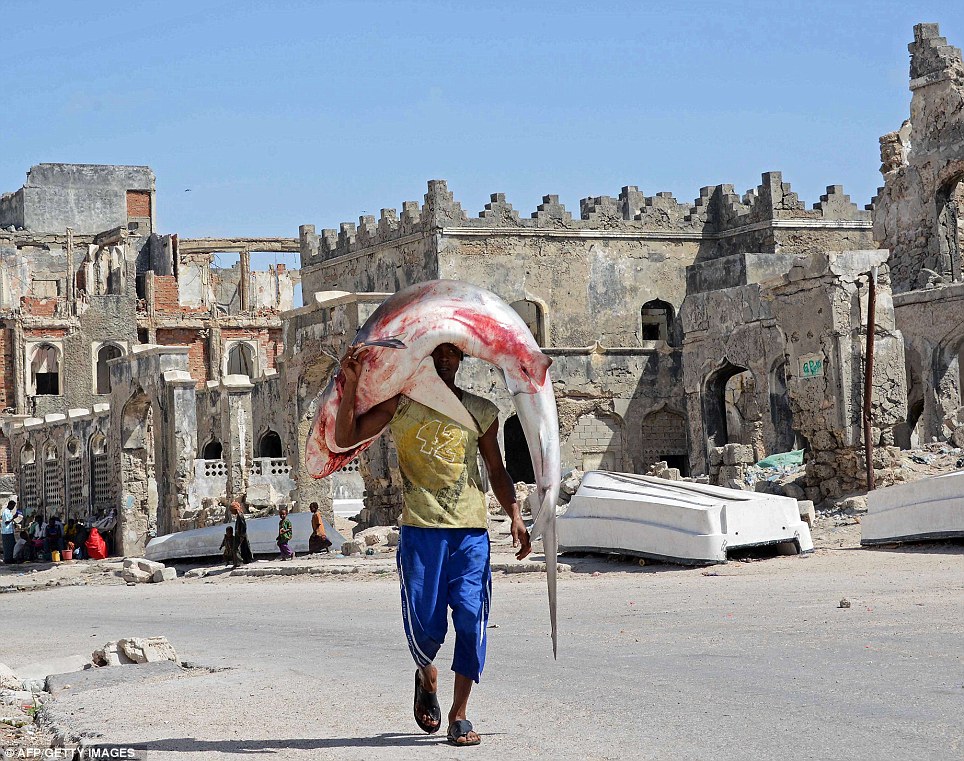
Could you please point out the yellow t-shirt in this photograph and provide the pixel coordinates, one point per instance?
(438, 458)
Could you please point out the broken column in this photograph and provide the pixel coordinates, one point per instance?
(822, 304)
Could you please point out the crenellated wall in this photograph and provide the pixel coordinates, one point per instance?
(591, 275)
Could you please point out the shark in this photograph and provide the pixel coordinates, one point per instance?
(399, 338)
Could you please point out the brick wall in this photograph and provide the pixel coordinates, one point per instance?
(138, 203)
(166, 297)
(594, 442)
(664, 433)
(197, 359)
(35, 333)
(41, 307)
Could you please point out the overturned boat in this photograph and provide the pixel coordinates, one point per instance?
(676, 521)
(262, 533)
(932, 508)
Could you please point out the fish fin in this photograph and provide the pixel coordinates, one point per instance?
(425, 387)
(388, 343)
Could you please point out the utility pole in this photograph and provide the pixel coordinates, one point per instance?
(869, 375)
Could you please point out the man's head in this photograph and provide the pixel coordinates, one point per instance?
(313, 507)
(447, 358)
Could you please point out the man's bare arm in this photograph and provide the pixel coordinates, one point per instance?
(351, 429)
(504, 489)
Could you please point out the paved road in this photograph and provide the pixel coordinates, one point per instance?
(655, 663)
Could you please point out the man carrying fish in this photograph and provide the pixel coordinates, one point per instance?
(443, 551)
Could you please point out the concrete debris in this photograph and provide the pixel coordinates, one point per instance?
(844, 603)
(353, 547)
(570, 485)
(8, 679)
(110, 655)
(385, 536)
(141, 571)
(807, 512)
(134, 650)
(164, 574)
(147, 649)
(663, 470)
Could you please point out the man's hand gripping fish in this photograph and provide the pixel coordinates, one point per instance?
(398, 340)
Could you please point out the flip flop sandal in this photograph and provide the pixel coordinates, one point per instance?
(428, 702)
(459, 729)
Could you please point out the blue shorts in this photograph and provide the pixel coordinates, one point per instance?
(442, 568)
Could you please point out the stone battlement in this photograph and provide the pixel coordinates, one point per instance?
(717, 210)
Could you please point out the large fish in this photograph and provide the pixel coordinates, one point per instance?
(399, 338)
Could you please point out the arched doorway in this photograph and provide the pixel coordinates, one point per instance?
(726, 393)
(781, 416)
(517, 459)
(269, 445)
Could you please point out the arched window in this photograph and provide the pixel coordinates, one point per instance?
(105, 354)
(270, 445)
(45, 371)
(212, 450)
(531, 314)
(241, 360)
(656, 317)
(99, 472)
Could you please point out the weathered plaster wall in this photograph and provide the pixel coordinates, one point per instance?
(86, 197)
(154, 437)
(821, 306)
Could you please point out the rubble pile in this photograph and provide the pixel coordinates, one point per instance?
(142, 571)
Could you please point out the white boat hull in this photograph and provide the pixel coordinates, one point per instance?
(679, 521)
(932, 508)
(262, 533)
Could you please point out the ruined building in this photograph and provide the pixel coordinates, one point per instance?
(664, 342)
(675, 328)
(135, 371)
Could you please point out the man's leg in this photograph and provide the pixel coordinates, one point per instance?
(421, 572)
(470, 589)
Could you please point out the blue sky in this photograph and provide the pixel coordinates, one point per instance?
(276, 114)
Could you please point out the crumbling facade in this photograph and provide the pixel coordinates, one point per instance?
(603, 294)
(919, 217)
(139, 376)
